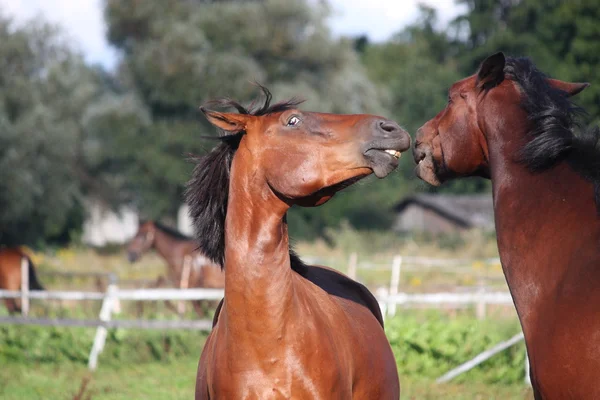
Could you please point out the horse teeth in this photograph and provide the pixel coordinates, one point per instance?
(394, 153)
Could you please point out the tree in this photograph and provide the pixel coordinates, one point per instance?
(46, 152)
(179, 54)
(562, 38)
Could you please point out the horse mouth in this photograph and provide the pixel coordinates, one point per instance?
(382, 161)
(427, 171)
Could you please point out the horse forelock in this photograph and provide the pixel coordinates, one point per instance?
(553, 120)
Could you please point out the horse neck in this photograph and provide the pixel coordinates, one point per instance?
(540, 224)
(258, 277)
(166, 246)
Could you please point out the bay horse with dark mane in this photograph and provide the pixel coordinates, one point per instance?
(187, 266)
(286, 329)
(10, 275)
(512, 124)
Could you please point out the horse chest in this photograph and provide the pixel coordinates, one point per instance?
(277, 371)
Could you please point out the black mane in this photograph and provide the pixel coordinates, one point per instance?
(207, 191)
(170, 231)
(553, 117)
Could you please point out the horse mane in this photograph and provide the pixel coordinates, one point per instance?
(207, 192)
(171, 231)
(553, 118)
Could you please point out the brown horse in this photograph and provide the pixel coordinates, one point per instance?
(512, 124)
(10, 275)
(285, 329)
(187, 267)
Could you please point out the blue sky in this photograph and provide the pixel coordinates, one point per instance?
(83, 21)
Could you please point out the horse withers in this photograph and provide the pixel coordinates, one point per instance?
(187, 267)
(511, 123)
(10, 275)
(286, 329)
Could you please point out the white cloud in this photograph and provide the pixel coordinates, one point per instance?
(84, 23)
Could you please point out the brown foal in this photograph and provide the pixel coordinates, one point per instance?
(287, 330)
(187, 267)
(512, 124)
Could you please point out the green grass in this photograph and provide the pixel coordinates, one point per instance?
(50, 363)
(176, 380)
(155, 380)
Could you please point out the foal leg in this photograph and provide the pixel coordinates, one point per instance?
(162, 282)
(12, 306)
(198, 308)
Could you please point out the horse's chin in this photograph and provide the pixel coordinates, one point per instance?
(325, 194)
(426, 171)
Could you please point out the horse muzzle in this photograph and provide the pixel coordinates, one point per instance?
(426, 167)
(384, 149)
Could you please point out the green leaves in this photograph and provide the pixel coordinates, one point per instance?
(429, 345)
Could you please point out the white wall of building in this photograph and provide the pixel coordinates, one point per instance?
(104, 226)
(184, 222)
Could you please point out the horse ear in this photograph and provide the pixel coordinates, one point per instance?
(227, 121)
(572, 88)
(491, 71)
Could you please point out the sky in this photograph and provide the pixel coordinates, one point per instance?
(83, 21)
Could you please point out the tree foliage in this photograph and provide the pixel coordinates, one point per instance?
(50, 160)
(70, 132)
(179, 54)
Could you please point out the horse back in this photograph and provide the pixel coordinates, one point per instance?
(339, 285)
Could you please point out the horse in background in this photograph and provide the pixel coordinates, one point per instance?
(10, 275)
(187, 267)
(514, 125)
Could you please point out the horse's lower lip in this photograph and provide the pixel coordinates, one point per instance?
(381, 161)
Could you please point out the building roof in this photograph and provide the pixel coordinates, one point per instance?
(470, 211)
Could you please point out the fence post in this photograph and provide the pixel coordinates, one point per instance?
(394, 283)
(105, 315)
(480, 309)
(24, 286)
(184, 281)
(116, 309)
(352, 264)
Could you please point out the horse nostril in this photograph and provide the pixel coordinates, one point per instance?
(389, 126)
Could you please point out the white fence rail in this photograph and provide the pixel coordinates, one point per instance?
(123, 294)
(109, 302)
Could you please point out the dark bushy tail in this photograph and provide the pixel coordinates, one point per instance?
(34, 283)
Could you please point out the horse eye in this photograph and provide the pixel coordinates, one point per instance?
(293, 121)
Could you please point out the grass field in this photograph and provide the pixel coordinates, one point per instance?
(50, 363)
(176, 379)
